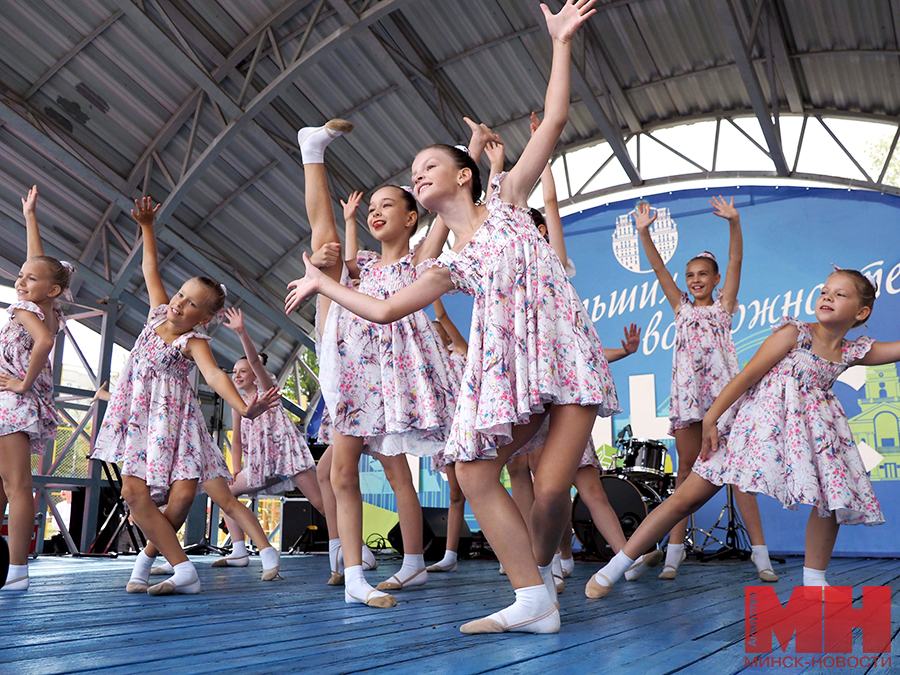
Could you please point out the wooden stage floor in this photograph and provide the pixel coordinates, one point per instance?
(77, 618)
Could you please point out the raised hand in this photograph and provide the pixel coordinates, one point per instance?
(146, 213)
(495, 152)
(535, 122)
(260, 403)
(326, 256)
(302, 288)
(234, 319)
(481, 136)
(101, 394)
(643, 217)
(351, 205)
(632, 339)
(724, 209)
(565, 23)
(29, 202)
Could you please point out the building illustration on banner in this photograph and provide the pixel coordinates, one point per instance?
(878, 423)
(627, 246)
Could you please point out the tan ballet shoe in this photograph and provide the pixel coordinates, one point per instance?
(271, 574)
(157, 571)
(136, 587)
(380, 601)
(768, 575)
(487, 625)
(441, 568)
(388, 585)
(169, 587)
(224, 562)
(336, 579)
(338, 124)
(8, 586)
(560, 583)
(594, 590)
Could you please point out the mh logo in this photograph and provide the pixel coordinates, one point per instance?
(626, 244)
(823, 622)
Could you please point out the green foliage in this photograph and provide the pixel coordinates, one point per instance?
(877, 152)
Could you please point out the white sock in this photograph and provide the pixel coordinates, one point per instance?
(186, 580)
(314, 140)
(412, 572)
(568, 565)
(368, 559)
(674, 554)
(613, 570)
(556, 566)
(533, 612)
(449, 559)
(760, 557)
(335, 559)
(16, 578)
(811, 577)
(238, 556)
(356, 588)
(636, 570)
(141, 570)
(270, 557)
(238, 549)
(549, 581)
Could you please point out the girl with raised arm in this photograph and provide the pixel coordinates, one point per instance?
(704, 361)
(28, 418)
(789, 437)
(155, 429)
(533, 350)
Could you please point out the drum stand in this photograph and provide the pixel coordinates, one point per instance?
(736, 543)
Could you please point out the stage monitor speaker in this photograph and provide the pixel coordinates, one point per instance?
(434, 535)
(297, 516)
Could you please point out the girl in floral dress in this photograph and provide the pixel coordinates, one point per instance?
(532, 348)
(704, 361)
(789, 437)
(155, 429)
(27, 417)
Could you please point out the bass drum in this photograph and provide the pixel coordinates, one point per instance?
(632, 500)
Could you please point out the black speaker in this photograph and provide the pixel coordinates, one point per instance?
(434, 535)
(298, 517)
(106, 506)
(4, 559)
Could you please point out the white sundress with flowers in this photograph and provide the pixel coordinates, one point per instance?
(153, 424)
(790, 438)
(390, 384)
(704, 360)
(33, 412)
(531, 341)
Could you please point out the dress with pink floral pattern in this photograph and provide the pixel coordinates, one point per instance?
(153, 424)
(387, 383)
(457, 366)
(32, 412)
(790, 438)
(273, 448)
(531, 341)
(704, 360)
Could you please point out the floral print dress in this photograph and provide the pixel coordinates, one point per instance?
(704, 360)
(531, 341)
(33, 412)
(791, 440)
(153, 424)
(273, 448)
(389, 384)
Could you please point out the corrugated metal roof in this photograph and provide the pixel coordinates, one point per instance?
(406, 79)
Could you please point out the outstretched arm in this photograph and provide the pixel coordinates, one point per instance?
(562, 28)
(770, 352)
(234, 319)
(418, 295)
(881, 353)
(459, 342)
(496, 153)
(551, 205)
(481, 136)
(145, 215)
(33, 235)
(351, 239)
(732, 283)
(642, 222)
(629, 345)
(199, 350)
(43, 345)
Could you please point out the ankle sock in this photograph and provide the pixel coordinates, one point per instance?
(270, 557)
(549, 581)
(335, 559)
(237, 558)
(568, 566)
(558, 578)
(534, 611)
(314, 140)
(447, 563)
(186, 580)
(356, 588)
(412, 572)
(140, 573)
(760, 558)
(674, 557)
(811, 577)
(636, 570)
(368, 559)
(16, 578)
(613, 570)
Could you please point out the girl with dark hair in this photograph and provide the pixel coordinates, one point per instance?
(533, 350)
(704, 361)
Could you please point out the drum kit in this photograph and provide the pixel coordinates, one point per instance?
(635, 484)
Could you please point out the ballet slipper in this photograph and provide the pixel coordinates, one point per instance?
(441, 568)
(11, 584)
(240, 561)
(271, 574)
(669, 572)
(336, 579)
(136, 587)
(395, 584)
(548, 622)
(169, 587)
(768, 575)
(162, 569)
(594, 590)
(380, 601)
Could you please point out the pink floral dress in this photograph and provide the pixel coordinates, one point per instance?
(531, 341)
(457, 366)
(33, 412)
(153, 424)
(790, 438)
(273, 448)
(387, 383)
(704, 360)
